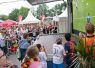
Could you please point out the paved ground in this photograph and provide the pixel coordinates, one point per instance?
(14, 60)
(47, 41)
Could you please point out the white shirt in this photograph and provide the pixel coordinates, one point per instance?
(2, 43)
(58, 54)
(42, 56)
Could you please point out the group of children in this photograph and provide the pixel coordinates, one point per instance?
(35, 57)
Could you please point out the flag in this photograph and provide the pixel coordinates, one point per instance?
(19, 18)
(42, 18)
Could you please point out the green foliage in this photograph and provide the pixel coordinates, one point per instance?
(23, 12)
(16, 12)
(14, 15)
(83, 58)
(3, 17)
(42, 9)
(57, 9)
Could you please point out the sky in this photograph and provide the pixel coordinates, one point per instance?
(6, 8)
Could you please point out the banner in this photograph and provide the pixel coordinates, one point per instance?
(42, 18)
(19, 18)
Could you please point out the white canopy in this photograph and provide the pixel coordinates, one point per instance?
(30, 19)
(64, 14)
(56, 18)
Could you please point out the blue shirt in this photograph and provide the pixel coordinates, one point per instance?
(23, 44)
(88, 19)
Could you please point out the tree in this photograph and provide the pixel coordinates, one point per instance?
(23, 12)
(3, 17)
(42, 9)
(57, 9)
(16, 12)
(14, 15)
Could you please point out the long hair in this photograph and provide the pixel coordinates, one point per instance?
(31, 54)
(38, 46)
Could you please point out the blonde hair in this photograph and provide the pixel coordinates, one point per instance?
(32, 52)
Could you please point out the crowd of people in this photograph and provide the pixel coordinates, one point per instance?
(34, 56)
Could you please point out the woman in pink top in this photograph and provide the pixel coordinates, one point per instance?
(31, 60)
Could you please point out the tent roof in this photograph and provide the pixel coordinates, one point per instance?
(30, 19)
(64, 14)
(56, 18)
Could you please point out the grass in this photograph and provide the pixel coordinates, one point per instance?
(81, 8)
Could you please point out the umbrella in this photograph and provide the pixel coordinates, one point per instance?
(1, 24)
(8, 23)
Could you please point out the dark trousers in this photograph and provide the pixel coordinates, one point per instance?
(67, 60)
(23, 52)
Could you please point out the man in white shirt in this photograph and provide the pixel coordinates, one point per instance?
(58, 54)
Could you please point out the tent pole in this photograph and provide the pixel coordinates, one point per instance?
(70, 15)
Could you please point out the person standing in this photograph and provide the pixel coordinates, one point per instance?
(69, 49)
(88, 18)
(42, 55)
(58, 54)
(23, 45)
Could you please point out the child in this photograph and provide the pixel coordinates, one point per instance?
(42, 55)
(31, 60)
(89, 38)
(58, 54)
(69, 49)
